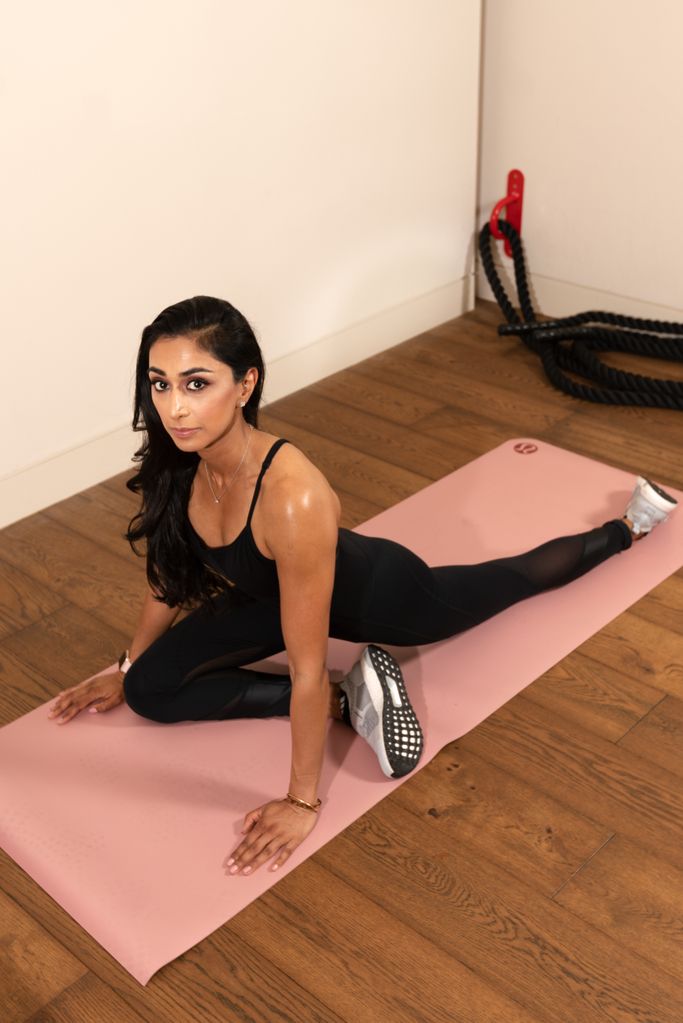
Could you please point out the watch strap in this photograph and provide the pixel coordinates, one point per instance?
(124, 662)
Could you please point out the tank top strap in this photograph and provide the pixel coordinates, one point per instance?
(266, 462)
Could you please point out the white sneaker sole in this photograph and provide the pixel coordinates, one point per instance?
(382, 713)
(656, 496)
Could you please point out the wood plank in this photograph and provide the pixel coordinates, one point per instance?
(659, 736)
(640, 649)
(664, 604)
(636, 898)
(65, 648)
(499, 361)
(77, 569)
(22, 688)
(594, 696)
(370, 434)
(363, 475)
(468, 437)
(368, 965)
(468, 333)
(99, 514)
(23, 600)
(486, 311)
(522, 413)
(401, 405)
(611, 440)
(227, 973)
(86, 1000)
(548, 961)
(492, 815)
(35, 969)
(117, 485)
(609, 785)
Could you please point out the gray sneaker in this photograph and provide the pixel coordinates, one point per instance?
(381, 712)
(649, 505)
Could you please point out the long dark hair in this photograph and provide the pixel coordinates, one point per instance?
(165, 472)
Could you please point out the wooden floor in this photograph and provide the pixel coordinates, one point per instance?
(532, 871)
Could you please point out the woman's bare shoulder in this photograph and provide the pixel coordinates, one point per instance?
(293, 476)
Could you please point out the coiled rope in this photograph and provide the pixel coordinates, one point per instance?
(569, 344)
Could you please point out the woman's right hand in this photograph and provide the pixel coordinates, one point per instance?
(100, 693)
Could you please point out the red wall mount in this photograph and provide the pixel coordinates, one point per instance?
(513, 205)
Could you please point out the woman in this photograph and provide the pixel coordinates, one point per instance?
(243, 530)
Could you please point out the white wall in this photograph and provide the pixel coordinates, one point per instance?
(585, 98)
(312, 161)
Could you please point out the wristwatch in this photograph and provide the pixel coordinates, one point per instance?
(124, 662)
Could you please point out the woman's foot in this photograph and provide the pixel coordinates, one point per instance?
(378, 709)
(649, 505)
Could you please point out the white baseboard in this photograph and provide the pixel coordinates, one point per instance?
(562, 298)
(38, 486)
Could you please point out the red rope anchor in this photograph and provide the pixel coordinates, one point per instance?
(513, 202)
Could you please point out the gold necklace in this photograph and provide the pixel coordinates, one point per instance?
(229, 484)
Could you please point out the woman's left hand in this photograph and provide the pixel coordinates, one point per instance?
(274, 829)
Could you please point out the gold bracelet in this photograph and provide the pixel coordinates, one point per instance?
(295, 801)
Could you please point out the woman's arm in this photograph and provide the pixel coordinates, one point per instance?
(301, 528)
(304, 549)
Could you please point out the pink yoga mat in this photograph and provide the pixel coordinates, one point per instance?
(127, 823)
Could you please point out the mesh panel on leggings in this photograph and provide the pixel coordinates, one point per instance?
(560, 561)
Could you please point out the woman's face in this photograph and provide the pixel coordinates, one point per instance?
(194, 393)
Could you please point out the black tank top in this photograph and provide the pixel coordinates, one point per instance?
(256, 575)
(241, 562)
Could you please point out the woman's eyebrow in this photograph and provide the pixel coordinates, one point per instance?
(185, 372)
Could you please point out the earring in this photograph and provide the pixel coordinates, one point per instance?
(242, 404)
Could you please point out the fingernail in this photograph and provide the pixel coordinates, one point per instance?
(275, 867)
(247, 870)
(93, 710)
(231, 861)
(233, 870)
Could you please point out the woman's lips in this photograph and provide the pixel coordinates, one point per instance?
(182, 432)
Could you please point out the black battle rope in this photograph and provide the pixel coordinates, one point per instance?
(569, 344)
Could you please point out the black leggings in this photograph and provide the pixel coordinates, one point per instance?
(195, 670)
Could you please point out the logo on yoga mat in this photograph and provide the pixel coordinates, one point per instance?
(526, 448)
